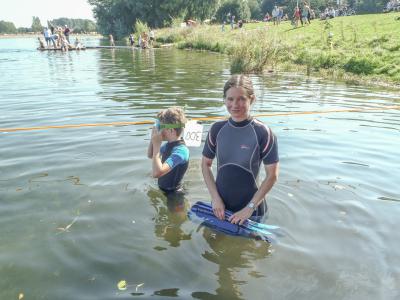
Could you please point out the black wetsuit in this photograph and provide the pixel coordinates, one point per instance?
(240, 148)
(176, 155)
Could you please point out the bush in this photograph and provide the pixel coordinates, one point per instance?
(326, 61)
(140, 27)
(360, 65)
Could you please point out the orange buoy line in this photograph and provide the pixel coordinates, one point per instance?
(198, 119)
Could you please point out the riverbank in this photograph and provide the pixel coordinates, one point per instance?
(362, 48)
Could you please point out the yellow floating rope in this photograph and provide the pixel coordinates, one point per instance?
(197, 119)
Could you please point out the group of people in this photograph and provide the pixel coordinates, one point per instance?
(303, 15)
(144, 41)
(392, 5)
(331, 12)
(59, 38)
(239, 144)
(230, 19)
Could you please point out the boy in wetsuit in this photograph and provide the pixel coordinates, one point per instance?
(171, 160)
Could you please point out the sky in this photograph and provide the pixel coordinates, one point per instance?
(20, 12)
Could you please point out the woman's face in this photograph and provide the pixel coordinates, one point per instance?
(238, 103)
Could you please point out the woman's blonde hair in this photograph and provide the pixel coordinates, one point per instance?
(173, 115)
(240, 80)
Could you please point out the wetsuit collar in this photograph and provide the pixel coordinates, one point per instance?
(175, 143)
(241, 123)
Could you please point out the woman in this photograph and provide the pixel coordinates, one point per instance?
(240, 144)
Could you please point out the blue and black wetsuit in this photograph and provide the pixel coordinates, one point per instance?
(176, 155)
(240, 147)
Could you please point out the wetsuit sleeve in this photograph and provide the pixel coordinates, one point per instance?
(271, 155)
(268, 145)
(210, 145)
(179, 155)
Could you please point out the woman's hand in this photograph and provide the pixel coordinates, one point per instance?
(241, 216)
(218, 209)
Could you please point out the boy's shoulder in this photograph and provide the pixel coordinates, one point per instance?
(182, 150)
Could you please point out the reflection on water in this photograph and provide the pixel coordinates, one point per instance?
(171, 213)
(231, 255)
(79, 213)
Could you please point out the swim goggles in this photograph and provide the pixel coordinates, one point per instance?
(167, 126)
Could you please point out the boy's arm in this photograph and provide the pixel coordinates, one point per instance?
(150, 150)
(159, 169)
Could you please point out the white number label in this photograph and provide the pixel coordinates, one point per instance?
(192, 134)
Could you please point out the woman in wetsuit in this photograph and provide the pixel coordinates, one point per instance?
(240, 144)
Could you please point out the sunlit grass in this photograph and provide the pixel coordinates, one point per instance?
(364, 46)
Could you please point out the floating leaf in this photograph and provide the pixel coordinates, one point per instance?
(122, 285)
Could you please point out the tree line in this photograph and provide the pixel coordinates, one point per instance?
(118, 17)
(78, 25)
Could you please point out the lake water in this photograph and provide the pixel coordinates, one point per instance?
(79, 211)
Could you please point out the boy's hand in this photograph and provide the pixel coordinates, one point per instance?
(156, 137)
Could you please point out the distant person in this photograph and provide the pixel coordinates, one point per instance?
(67, 31)
(275, 15)
(152, 36)
(171, 160)
(46, 35)
(232, 21)
(296, 16)
(41, 44)
(140, 41)
(52, 38)
(240, 23)
(280, 15)
(131, 39)
(112, 44)
(65, 46)
(78, 44)
(145, 40)
(306, 14)
(223, 26)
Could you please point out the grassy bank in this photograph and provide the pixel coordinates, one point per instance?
(359, 48)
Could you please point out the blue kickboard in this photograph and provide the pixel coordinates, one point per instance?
(202, 213)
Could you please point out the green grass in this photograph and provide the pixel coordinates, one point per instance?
(360, 48)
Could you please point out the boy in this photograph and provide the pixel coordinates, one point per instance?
(171, 160)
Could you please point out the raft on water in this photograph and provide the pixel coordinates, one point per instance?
(88, 47)
(102, 47)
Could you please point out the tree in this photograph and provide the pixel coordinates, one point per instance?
(36, 25)
(77, 25)
(255, 9)
(118, 17)
(238, 8)
(7, 27)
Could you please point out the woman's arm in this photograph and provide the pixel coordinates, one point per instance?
(272, 172)
(217, 203)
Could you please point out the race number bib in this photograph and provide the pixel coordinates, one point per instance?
(192, 134)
